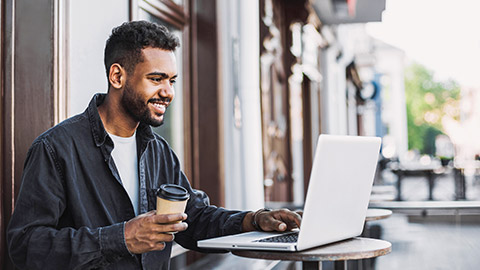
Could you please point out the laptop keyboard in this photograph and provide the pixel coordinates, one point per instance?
(284, 238)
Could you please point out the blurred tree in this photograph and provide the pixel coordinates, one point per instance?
(428, 101)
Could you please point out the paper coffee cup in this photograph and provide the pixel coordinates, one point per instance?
(171, 199)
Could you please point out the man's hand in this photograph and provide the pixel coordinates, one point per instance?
(149, 231)
(275, 220)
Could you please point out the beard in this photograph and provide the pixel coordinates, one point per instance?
(138, 109)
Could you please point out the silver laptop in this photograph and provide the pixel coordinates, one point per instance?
(336, 203)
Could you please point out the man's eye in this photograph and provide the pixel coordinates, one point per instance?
(173, 81)
(156, 79)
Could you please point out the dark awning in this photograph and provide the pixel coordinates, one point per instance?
(349, 11)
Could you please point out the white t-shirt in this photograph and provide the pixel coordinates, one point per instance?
(125, 157)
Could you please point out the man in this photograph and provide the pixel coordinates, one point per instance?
(86, 180)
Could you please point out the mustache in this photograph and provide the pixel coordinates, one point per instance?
(160, 100)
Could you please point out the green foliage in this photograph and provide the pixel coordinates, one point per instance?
(428, 101)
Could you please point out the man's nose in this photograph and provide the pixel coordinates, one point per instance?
(167, 90)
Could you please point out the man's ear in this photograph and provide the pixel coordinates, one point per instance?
(117, 75)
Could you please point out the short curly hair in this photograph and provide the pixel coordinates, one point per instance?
(125, 44)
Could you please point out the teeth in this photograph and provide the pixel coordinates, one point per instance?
(159, 105)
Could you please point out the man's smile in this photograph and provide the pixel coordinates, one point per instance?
(159, 105)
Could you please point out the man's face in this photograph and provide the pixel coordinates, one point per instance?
(149, 89)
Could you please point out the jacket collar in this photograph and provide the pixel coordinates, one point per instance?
(98, 130)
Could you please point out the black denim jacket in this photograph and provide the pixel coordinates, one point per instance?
(72, 208)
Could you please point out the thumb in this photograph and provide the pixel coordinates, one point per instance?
(280, 226)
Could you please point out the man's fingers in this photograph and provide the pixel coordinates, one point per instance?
(159, 246)
(160, 237)
(297, 218)
(156, 245)
(278, 225)
(289, 217)
(149, 231)
(166, 228)
(280, 220)
(292, 225)
(168, 218)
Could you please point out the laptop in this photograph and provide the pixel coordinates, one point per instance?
(336, 203)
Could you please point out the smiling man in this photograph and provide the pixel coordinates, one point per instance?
(88, 188)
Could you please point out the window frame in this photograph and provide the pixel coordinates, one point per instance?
(178, 17)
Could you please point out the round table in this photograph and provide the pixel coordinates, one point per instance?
(377, 214)
(340, 252)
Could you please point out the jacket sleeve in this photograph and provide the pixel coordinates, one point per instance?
(35, 240)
